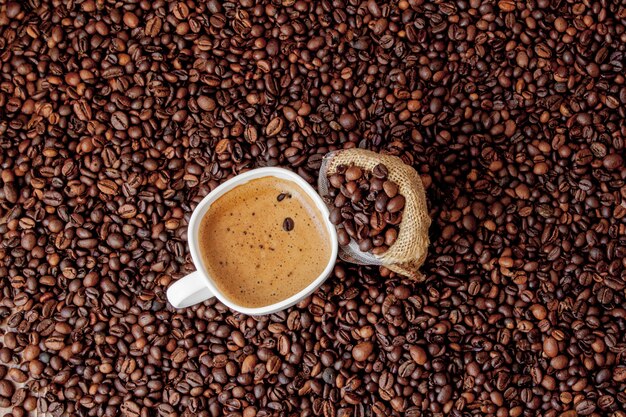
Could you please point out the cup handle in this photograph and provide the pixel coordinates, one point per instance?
(189, 290)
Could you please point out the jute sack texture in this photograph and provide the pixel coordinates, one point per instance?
(409, 251)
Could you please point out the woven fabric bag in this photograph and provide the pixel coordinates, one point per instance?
(409, 251)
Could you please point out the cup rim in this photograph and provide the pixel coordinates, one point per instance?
(200, 210)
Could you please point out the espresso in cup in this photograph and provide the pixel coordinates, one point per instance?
(263, 241)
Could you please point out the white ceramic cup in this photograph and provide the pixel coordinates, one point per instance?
(199, 286)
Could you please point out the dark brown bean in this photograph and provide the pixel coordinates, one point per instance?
(396, 204)
(288, 224)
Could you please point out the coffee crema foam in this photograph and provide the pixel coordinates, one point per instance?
(248, 250)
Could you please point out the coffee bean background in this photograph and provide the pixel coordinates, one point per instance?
(116, 118)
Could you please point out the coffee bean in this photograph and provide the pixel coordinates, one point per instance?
(250, 133)
(390, 188)
(380, 171)
(353, 173)
(336, 180)
(282, 196)
(418, 355)
(347, 121)
(380, 204)
(619, 374)
(376, 222)
(335, 216)
(6, 388)
(108, 187)
(82, 109)
(119, 120)
(274, 127)
(585, 408)
(396, 204)
(550, 347)
(17, 375)
(613, 161)
(153, 26)
(362, 351)
(115, 241)
(53, 198)
(207, 104)
(288, 224)
(390, 236)
(343, 237)
(131, 409)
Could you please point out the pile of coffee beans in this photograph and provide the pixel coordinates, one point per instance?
(365, 206)
(116, 118)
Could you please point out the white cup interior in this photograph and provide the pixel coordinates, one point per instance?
(202, 208)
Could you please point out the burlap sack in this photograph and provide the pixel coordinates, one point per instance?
(409, 251)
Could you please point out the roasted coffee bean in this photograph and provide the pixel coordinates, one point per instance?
(119, 120)
(353, 173)
(380, 171)
(288, 224)
(585, 407)
(380, 203)
(6, 388)
(362, 351)
(274, 127)
(396, 204)
(282, 196)
(390, 188)
(336, 216)
(343, 237)
(390, 236)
